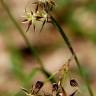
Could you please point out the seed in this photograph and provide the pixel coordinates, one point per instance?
(39, 85)
(55, 87)
(73, 83)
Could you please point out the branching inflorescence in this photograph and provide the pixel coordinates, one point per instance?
(43, 14)
(57, 88)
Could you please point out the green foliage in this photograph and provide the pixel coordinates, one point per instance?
(2, 25)
(17, 68)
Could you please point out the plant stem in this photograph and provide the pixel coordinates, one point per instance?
(58, 27)
(33, 51)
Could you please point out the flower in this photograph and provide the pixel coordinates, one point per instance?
(30, 18)
(44, 18)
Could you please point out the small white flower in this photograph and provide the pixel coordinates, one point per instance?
(30, 19)
(42, 13)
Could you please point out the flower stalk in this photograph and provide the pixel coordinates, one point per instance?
(66, 40)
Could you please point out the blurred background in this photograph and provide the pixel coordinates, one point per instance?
(77, 18)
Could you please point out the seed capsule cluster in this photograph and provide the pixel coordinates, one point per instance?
(42, 13)
(57, 87)
(57, 90)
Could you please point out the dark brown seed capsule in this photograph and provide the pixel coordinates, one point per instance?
(55, 87)
(73, 83)
(39, 85)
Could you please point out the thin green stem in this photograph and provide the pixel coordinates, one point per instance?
(58, 27)
(33, 51)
